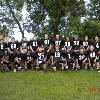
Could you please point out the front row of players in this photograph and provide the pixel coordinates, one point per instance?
(32, 55)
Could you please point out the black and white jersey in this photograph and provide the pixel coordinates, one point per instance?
(13, 46)
(76, 44)
(69, 55)
(24, 45)
(3, 46)
(81, 56)
(41, 56)
(97, 45)
(29, 56)
(85, 44)
(92, 54)
(34, 44)
(57, 54)
(66, 43)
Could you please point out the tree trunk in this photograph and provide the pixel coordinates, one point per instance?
(16, 20)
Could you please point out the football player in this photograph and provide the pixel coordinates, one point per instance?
(93, 57)
(58, 58)
(41, 58)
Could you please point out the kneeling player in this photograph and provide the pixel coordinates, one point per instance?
(57, 58)
(5, 61)
(17, 61)
(93, 57)
(41, 58)
(29, 59)
(69, 58)
(82, 58)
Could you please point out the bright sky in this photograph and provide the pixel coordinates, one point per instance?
(18, 35)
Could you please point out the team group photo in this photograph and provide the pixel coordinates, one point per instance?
(49, 49)
(54, 53)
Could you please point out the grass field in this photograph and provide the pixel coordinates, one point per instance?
(42, 85)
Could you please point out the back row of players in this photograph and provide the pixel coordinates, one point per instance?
(57, 52)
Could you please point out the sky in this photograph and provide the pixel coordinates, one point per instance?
(17, 33)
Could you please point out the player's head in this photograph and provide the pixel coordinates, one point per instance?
(91, 47)
(46, 36)
(96, 38)
(67, 38)
(34, 37)
(6, 51)
(57, 36)
(24, 39)
(12, 39)
(57, 47)
(1, 40)
(76, 37)
(86, 37)
(29, 51)
(81, 49)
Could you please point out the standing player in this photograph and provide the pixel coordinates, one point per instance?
(76, 44)
(34, 44)
(57, 40)
(3, 46)
(13, 45)
(66, 43)
(97, 44)
(24, 46)
(85, 43)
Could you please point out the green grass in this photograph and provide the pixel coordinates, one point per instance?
(41, 85)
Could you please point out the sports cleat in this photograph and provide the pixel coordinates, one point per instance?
(14, 70)
(54, 68)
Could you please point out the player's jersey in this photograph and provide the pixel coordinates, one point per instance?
(66, 43)
(92, 54)
(81, 56)
(18, 56)
(97, 45)
(34, 44)
(3, 47)
(29, 56)
(24, 45)
(69, 55)
(57, 54)
(56, 42)
(46, 43)
(41, 56)
(76, 44)
(13, 46)
(85, 44)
